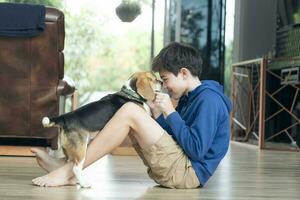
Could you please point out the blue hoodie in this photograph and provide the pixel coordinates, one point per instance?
(201, 126)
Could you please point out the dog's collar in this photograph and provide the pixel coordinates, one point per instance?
(131, 94)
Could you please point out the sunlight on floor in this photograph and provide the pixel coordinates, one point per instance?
(105, 183)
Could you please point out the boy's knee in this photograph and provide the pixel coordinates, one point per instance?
(132, 113)
(130, 108)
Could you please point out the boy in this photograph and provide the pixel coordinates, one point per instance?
(181, 147)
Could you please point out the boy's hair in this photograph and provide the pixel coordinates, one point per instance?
(175, 56)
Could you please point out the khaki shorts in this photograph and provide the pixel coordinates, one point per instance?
(167, 164)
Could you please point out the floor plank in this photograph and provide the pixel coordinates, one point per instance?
(245, 173)
(15, 151)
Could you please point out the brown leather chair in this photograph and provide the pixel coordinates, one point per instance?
(31, 80)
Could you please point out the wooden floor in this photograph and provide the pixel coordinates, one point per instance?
(245, 174)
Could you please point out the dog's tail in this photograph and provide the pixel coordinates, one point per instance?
(50, 122)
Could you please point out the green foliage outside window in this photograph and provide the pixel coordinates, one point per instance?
(52, 3)
(94, 58)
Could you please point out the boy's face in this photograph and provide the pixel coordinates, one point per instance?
(175, 85)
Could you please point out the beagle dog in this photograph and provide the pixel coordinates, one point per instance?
(79, 126)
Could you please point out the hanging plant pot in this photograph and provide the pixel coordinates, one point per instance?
(128, 10)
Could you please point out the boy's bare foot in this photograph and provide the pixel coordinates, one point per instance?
(45, 161)
(58, 177)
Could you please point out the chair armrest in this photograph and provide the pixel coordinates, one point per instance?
(66, 87)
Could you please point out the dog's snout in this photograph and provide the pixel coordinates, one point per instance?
(161, 87)
(165, 90)
(158, 85)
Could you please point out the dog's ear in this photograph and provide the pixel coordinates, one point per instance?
(145, 88)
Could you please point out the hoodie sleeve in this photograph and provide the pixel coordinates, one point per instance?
(197, 138)
(162, 122)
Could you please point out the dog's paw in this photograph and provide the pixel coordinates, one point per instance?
(85, 184)
(50, 151)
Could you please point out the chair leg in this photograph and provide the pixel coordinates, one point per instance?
(62, 105)
(74, 100)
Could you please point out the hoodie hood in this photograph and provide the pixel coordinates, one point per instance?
(209, 85)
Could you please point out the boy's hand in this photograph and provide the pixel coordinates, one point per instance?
(154, 110)
(163, 102)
